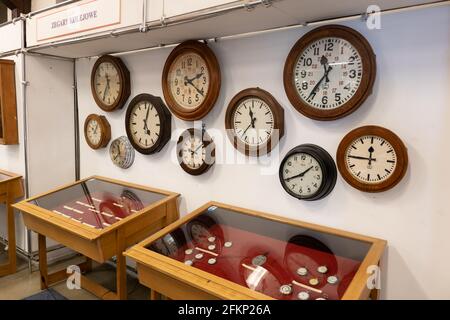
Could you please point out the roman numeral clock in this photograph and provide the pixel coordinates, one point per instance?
(372, 159)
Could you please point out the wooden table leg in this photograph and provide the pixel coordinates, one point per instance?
(154, 295)
(43, 261)
(121, 271)
(11, 236)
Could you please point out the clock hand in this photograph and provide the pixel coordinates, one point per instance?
(363, 158)
(299, 175)
(371, 151)
(325, 76)
(198, 148)
(247, 129)
(324, 62)
(188, 81)
(198, 76)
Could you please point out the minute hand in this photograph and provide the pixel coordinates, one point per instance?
(299, 175)
(362, 158)
(325, 76)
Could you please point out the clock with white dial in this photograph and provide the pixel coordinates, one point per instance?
(254, 122)
(148, 123)
(372, 159)
(110, 83)
(191, 80)
(97, 131)
(330, 72)
(196, 151)
(121, 153)
(308, 172)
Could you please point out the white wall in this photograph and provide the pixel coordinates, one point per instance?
(410, 97)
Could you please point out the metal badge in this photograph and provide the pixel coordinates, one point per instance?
(332, 280)
(314, 281)
(212, 261)
(303, 295)
(302, 271)
(189, 251)
(259, 260)
(212, 239)
(322, 269)
(228, 244)
(199, 256)
(188, 262)
(286, 289)
(212, 247)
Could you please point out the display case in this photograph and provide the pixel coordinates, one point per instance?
(11, 189)
(224, 252)
(99, 218)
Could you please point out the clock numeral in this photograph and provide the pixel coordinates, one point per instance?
(329, 46)
(352, 74)
(307, 62)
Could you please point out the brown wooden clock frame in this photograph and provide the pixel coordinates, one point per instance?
(400, 150)
(165, 121)
(105, 128)
(9, 134)
(124, 75)
(212, 63)
(208, 144)
(277, 111)
(368, 78)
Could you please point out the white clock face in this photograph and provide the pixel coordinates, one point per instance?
(253, 121)
(193, 152)
(371, 159)
(189, 80)
(94, 132)
(328, 73)
(122, 153)
(145, 124)
(107, 83)
(302, 174)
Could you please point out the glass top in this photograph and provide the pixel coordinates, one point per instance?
(279, 260)
(4, 177)
(96, 203)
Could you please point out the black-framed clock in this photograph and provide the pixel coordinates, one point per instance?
(196, 151)
(308, 172)
(329, 72)
(110, 83)
(148, 123)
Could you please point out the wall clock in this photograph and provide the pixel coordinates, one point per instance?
(9, 134)
(372, 159)
(191, 80)
(329, 72)
(97, 131)
(195, 151)
(110, 83)
(148, 123)
(122, 153)
(254, 121)
(308, 172)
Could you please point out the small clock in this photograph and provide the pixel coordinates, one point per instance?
(372, 159)
(97, 131)
(308, 172)
(122, 153)
(329, 72)
(196, 151)
(110, 83)
(191, 80)
(148, 124)
(254, 121)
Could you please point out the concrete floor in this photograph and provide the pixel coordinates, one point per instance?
(24, 284)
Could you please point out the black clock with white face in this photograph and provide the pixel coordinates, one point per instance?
(196, 151)
(308, 172)
(148, 123)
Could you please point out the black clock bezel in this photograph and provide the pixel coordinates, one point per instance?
(165, 120)
(329, 171)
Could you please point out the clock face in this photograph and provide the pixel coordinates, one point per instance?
(371, 159)
(196, 151)
(302, 174)
(193, 153)
(145, 124)
(107, 83)
(253, 121)
(328, 73)
(94, 132)
(122, 153)
(189, 80)
(97, 131)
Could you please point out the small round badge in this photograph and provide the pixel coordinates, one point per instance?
(189, 251)
(188, 262)
(199, 256)
(302, 271)
(259, 260)
(322, 269)
(286, 289)
(228, 244)
(212, 261)
(212, 247)
(303, 295)
(332, 280)
(314, 281)
(212, 239)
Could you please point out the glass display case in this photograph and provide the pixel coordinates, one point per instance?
(99, 218)
(246, 254)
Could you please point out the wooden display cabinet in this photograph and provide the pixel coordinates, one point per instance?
(99, 218)
(225, 252)
(11, 189)
(8, 105)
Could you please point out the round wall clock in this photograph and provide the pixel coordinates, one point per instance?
(122, 153)
(97, 131)
(191, 80)
(372, 159)
(110, 83)
(329, 72)
(254, 121)
(148, 123)
(308, 172)
(196, 151)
